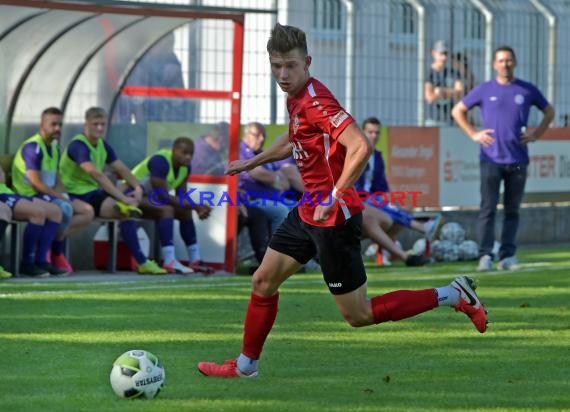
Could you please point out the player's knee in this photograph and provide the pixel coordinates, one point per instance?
(262, 285)
(166, 212)
(357, 319)
(54, 213)
(356, 322)
(5, 212)
(85, 210)
(66, 212)
(36, 216)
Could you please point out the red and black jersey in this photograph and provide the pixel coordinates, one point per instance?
(316, 121)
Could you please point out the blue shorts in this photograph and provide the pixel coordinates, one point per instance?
(400, 217)
(65, 207)
(11, 199)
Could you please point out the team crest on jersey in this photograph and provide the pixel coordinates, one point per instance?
(519, 99)
(295, 124)
(338, 118)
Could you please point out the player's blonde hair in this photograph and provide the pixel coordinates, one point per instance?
(283, 39)
(95, 113)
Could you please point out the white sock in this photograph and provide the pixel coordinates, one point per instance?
(168, 253)
(194, 252)
(246, 365)
(447, 296)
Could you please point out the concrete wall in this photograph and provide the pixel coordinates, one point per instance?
(538, 225)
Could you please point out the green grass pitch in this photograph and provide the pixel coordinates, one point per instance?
(58, 341)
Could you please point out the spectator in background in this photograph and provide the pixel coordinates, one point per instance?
(505, 104)
(35, 173)
(159, 67)
(382, 221)
(209, 154)
(460, 64)
(443, 86)
(257, 225)
(262, 184)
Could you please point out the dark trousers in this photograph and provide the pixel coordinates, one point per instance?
(258, 227)
(514, 178)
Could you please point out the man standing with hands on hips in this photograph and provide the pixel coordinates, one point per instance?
(505, 104)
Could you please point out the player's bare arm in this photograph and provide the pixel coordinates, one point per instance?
(542, 127)
(35, 178)
(358, 150)
(429, 93)
(104, 182)
(483, 137)
(279, 150)
(125, 173)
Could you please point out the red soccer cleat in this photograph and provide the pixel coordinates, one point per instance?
(61, 262)
(469, 302)
(200, 267)
(226, 370)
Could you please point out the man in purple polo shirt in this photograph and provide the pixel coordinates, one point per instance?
(505, 104)
(262, 186)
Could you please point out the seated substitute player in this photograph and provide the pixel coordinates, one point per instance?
(81, 169)
(35, 173)
(373, 180)
(331, 153)
(5, 217)
(167, 170)
(375, 226)
(43, 221)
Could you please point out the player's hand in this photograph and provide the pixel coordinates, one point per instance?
(323, 212)
(236, 166)
(203, 211)
(527, 138)
(483, 137)
(138, 193)
(130, 200)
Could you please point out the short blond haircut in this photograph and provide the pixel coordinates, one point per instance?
(95, 113)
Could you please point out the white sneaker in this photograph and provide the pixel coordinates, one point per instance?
(175, 266)
(386, 258)
(485, 264)
(431, 227)
(371, 250)
(509, 263)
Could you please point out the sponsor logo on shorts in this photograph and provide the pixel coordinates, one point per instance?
(335, 285)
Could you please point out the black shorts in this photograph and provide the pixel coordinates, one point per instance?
(338, 249)
(95, 198)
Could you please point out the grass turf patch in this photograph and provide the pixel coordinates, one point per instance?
(58, 341)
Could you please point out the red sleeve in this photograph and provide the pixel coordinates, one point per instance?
(325, 112)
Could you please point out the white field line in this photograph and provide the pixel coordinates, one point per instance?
(134, 285)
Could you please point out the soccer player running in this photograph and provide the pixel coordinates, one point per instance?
(331, 153)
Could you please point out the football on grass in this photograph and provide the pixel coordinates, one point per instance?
(137, 374)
